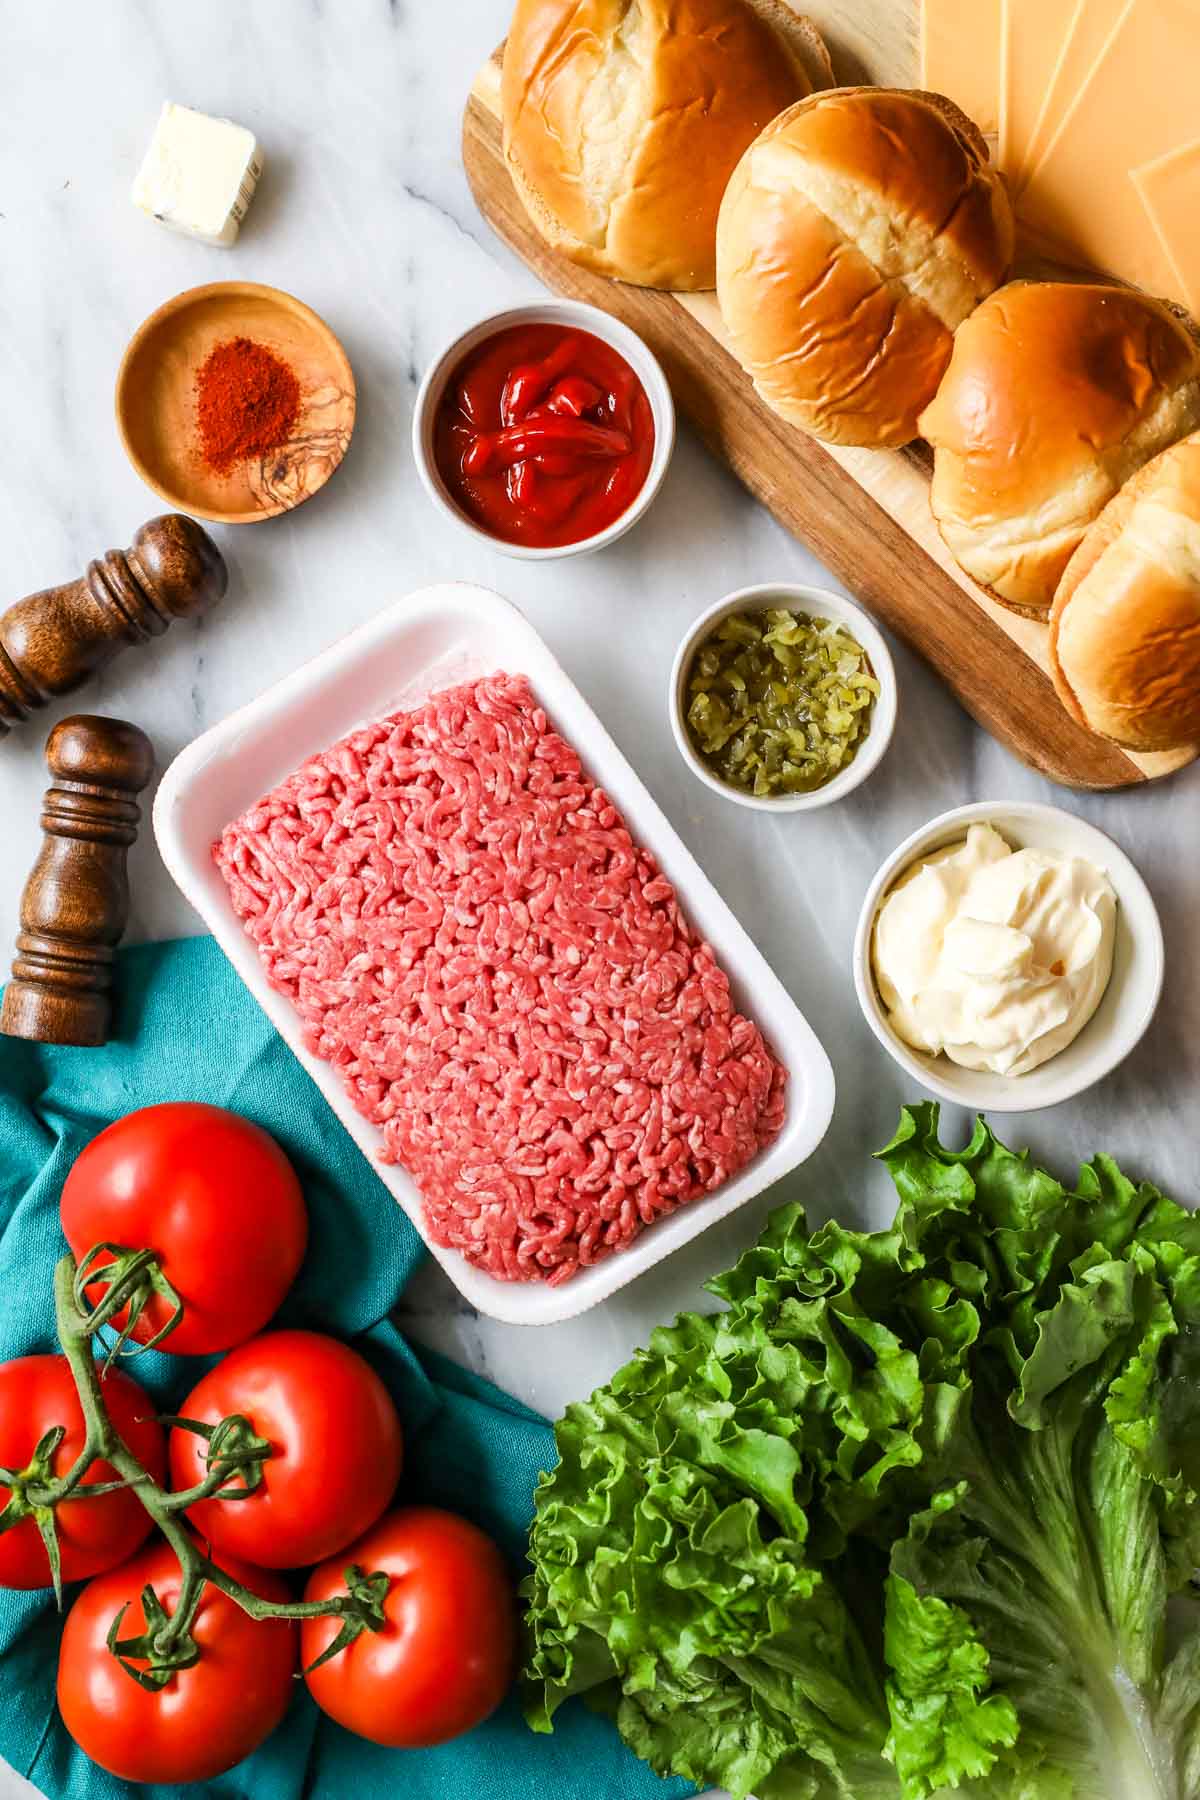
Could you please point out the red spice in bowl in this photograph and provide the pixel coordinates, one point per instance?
(544, 435)
(247, 402)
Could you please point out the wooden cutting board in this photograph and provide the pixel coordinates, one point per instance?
(864, 513)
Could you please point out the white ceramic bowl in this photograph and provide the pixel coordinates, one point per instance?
(820, 603)
(547, 312)
(433, 639)
(1129, 1001)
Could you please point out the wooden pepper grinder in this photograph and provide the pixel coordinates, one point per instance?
(50, 643)
(76, 901)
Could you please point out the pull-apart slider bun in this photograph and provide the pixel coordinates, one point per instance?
(1056, 394)
(1125, 629)
(623, 120)
(858, 231)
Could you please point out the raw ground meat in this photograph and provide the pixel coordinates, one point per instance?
(503, 980)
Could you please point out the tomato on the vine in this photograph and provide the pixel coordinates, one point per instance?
(214, 1196)
(444, 1660)
(336, 1448)
(208, 1717)
(38, 1393)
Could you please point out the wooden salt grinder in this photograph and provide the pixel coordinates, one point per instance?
(76, 901)
(50, 643)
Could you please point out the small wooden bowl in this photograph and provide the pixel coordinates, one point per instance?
(156, 401)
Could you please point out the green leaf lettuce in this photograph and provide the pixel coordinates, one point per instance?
(916, 1513)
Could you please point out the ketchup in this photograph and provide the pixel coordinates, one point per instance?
(544, 435)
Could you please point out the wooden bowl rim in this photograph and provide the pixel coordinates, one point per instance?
(181, 302)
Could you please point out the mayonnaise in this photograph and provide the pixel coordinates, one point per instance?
(996, 958)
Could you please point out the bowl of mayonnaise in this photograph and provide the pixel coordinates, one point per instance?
(1008, 956)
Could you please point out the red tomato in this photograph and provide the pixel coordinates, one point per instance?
(214, 1196)
(444, 1660)
(335, 1440)
(208, 1717)
(36, 1393)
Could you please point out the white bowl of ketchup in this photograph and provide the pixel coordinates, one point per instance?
(545, 430)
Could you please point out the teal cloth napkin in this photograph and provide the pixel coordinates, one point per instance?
(188, 1030)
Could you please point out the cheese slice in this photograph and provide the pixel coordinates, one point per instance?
(1138, 104)
(960, 56)
(1169, 190)
(1033, 34)
(1092, 27)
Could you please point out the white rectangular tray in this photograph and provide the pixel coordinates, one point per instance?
(436, 637)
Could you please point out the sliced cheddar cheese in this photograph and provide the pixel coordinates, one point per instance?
(1033, 34)
(960, 56)
(1092, 27)
(1138, 104)
(1169, 190)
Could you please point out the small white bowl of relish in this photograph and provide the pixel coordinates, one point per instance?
(544, 430)
(732, 711)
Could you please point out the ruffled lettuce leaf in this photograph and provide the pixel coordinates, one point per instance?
(672, 1568)
(907, 1516)
(1074, 1508)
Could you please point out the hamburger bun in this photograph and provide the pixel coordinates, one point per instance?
(858, 231)
(1056, 394)
(1125, 626)
(623, 120)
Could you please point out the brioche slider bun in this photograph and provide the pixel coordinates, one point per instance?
(858, 231)
(1125, 627)
(1056, 394)
(623, 120)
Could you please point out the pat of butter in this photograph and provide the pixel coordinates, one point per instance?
(199, 174)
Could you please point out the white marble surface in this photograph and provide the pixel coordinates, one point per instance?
(364, 212)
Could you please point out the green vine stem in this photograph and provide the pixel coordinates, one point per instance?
(132, 1278)
(167, 1644)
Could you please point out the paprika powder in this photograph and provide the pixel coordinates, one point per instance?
(247, 401)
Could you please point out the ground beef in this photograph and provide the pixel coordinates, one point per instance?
(503, 980)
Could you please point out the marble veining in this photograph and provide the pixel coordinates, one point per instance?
(363, 211)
